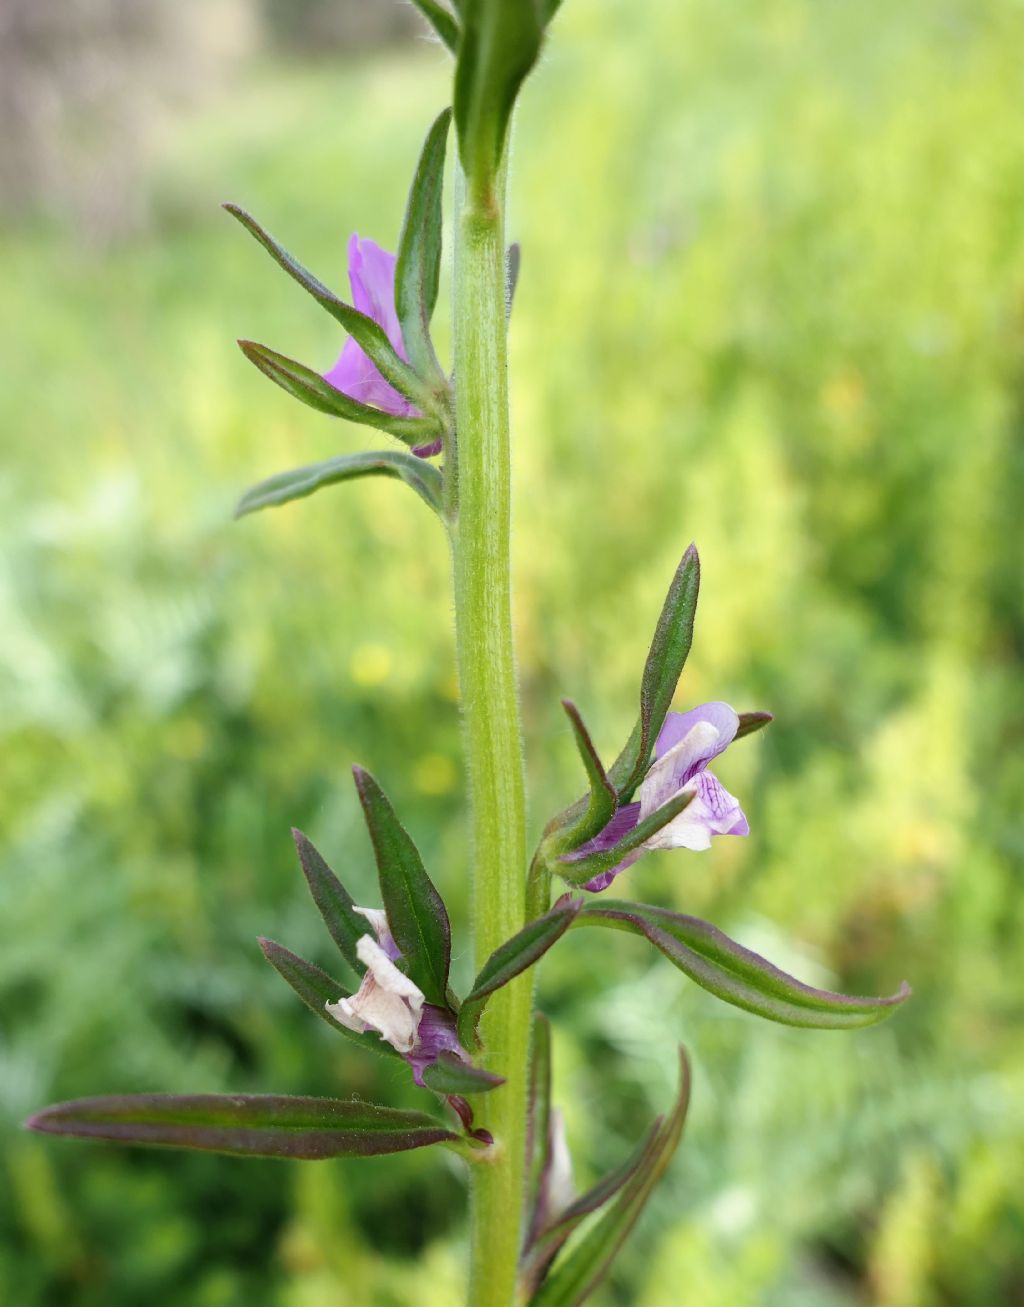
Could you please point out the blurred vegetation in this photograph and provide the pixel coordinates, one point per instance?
(772, 300)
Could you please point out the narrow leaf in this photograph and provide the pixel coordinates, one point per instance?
(499, 45)
(669, 649)
(442, 22)
(311, 388)
(544, 1246)
(345, 925)
(415, 910)
(418, 269)
(316, 989)
(300, 482)
(603, 799)
(253, 1125)
(538, 1125)
(450, 1075)
(751, 722)
(736, 974)
(575, 1277)
(509, 960)
(370, 335)
(577, 871)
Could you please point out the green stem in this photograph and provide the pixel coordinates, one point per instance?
(479, 514)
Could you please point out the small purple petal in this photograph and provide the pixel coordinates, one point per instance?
(428, 451)
(678, 725)
(436, 1035)
(371, 272)
(597, 883)
(622, 822)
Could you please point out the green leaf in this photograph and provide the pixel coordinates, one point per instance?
(418, 269)
(548, 9)
(577, 871)
(304, 384)
(538, 1122)
(669, 649)
(586, 1264)
(583, 823)
(450, 1075)
(300, 482)
(499, 45)
(441, 21)
(751, 722)
(415, 910)
(736, 974)
(252, 1125)
(509, 960)
(370, 335)
(334, 903)
(317, 989)
(543, 1247)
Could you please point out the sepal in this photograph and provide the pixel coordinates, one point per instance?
(450, 1075)
(300, 482)
(737, 974)
(415, 910)
(253, 1125)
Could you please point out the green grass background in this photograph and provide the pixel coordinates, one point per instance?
(772, 300)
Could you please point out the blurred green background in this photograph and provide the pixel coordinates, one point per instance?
(772, 300)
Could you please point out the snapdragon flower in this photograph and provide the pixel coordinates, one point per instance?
(686, 744)
(388, 1002)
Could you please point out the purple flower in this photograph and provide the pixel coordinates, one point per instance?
(687, 743)
(371, 272)
(388, 1002)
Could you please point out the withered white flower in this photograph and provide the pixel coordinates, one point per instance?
(386, 1001)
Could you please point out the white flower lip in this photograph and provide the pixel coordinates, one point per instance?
(387, 1001)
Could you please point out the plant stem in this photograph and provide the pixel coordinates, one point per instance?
(479, 508)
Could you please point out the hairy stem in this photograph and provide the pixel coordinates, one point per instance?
(479, 512)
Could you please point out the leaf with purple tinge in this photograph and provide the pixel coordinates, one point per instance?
(345, 925)
(736, 974)
(369, 335)
(668, 653)
(602, 799)
(316, 989)
(252, 1125)
(751, 722)
(510, 960)
(311, 388)
(451, 1075)
(415, 910)
(418, 267)
(300, 482)
(578, 1273)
